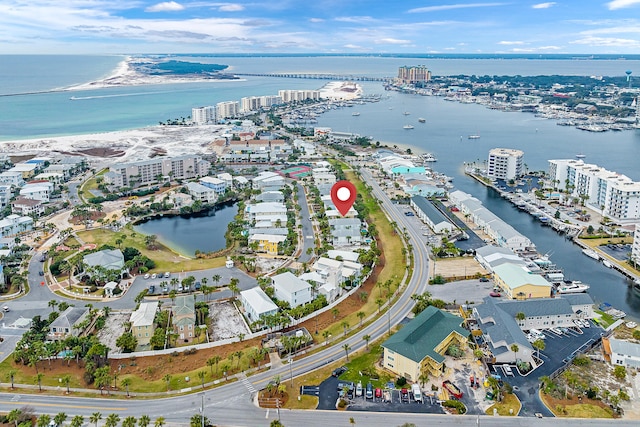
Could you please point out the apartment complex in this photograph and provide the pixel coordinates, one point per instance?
(153, 170)
(203, 115)
(414, 74)
(635, 249)
(255, 103)
(614, 194)
(298, 95)
(505, 163)
(227, 109)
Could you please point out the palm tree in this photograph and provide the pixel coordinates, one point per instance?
(160, 421)
(366, 339)
(44, 420)
(13, 416)
(539, 345)
(77, 421)
(233, 286)
(126, 382)
(129, 422)
(335, 312)
(239, 355)
(325, 335)
(520, 316)
(112, 420)
(213, 361)
(53, 303)
(11, 375)
(201, 375)
(60, 418)
(66, 379)
(345, 325)
(167, 378)
(515, 348)
(144, 421)
(346, 350)
(216, 278)
(95, 417)
(361, 316)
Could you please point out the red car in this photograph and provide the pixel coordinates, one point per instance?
(494, 294)
(378, 393)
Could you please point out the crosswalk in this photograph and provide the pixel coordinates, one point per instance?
(248, 384)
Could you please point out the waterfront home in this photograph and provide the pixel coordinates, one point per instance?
(269, 243)
(505, 163)
(68, 323)
(15, 224)
(518, 282)
(201, 192)
(270, 196)
(500, 332)
(430, 215)
(216, 184)
(268, 181)
(491, 256)
(621, 352)
(329, 271)
(184, 317)
(109, 259)
(27, 207)
(227, 178)
(291, 289)
(142, 322)
(419, 346)
(259, 211)
(257, 304)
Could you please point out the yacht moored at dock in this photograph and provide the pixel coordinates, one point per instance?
(572, 287)
(591, 254)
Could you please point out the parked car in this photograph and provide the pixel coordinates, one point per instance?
(167, 275)
(484, 279)
(40, 273)
(359, 389)
(404, 395)
(378, 393)
(154, 275)
(180, 288)
(339, 371)
(369, 392)
(146, 276)
(494, 294)
(197, 286)
(5, 308)
(507, 370)
(152, 289)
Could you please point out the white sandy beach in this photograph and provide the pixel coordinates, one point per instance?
(128, 145)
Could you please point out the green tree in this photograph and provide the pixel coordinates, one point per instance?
(167, 378)
(129, 421)
(66, 380)
(346, 349)
(620, 372)
(11, 375)
(160, 422)
(213, 361)
(366, 339)
(95, 417)
(361, 316)
(515, 348)
(127, 342)
(112, 420)
(126, 382)
(77, 421)
(60, 418)
(201, 375)
(539, 345)
(144, 421)
(43, 420)
(14, 416)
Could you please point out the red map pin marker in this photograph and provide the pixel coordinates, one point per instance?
(343, 194)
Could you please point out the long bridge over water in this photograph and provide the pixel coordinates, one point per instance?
(347, 77)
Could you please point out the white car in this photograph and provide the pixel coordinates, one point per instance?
(167, 275)
(5, 308)
(146, 276)
(154, 275)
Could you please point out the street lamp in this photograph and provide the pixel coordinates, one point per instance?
(291, 371)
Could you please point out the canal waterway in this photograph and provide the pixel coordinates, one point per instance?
(187, 233)
(445, 134)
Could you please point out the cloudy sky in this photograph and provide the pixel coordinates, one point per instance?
(323, 26)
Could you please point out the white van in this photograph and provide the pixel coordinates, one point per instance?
(417, 394)
(537, 334)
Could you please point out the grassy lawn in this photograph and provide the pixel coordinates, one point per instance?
(605, 320)
(583, 410)
(90, 184)
(165, 258)
(365, 362)
(509, 403)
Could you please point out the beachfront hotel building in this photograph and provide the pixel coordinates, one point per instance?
(505, 163)
(298, 95)
(614, 195)
(635, 248)
(203, 115)
(414, 74)
(154, 170)
(256, 103)
(227, 109)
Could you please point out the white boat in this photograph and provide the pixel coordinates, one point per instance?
(355, 114)
(474, 136)
(407, 127)
(572, 287)
(631, 325)
(422, 120)
(607, 263)
(428, 157)
(591, 254)
(406, 113)
(580, 156)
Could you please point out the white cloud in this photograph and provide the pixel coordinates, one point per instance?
(510, 43)
(352, 46)
(389, 40)
(316, 20)
(355, 19)
(608, 42)
(451, 7)
(546, 5)
(166, 6)
(622, 4)
(231, 7)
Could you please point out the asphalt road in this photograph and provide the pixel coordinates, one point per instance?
(308, 239)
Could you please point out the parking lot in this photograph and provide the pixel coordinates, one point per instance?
(559, 350)
(617, 251)
(328, 393)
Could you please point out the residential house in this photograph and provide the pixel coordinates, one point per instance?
(13, 178)
(291, 289)
(621, 352)
(109, 259)
(490, 256)
(268, 181)
(264, 210)
(56, 178)
(268, 243)
(200, 192)
(14, 224)
(184, 317)
(6, 194)
(345, 231)
(216, 184)
(37, 190)
(227, 178)
(270, 197)
(66, 324)
(28, 170)
(142, 322)
(257, 304)
(27, 207)
(419, 347)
